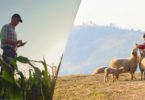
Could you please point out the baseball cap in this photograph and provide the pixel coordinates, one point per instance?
(18, 16)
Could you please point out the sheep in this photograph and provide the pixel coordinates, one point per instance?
(142, 68)
(99, 70)
(114, 71)
(129, 64)
(142, 64)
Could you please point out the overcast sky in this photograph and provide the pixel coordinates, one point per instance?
(122, 13)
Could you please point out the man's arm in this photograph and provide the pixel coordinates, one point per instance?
(21, 44)
(11, 42)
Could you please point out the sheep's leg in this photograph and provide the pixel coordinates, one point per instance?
(134, 76)
(117, 76)
(141, 75)
(144, 75)
(105, 77)
(113, 77)
(131, 76)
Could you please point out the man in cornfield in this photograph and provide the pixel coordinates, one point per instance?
(9, 42)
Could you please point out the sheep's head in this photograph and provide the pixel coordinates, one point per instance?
(134, 52)
(135, 55)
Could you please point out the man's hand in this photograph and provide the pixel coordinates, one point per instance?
(21, 43)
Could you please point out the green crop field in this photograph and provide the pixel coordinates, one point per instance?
(38, 86)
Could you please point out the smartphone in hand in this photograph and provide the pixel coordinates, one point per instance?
(24, 43)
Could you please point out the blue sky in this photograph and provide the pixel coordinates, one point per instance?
(46, 25)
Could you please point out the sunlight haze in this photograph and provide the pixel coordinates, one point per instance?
(46, 25)
(122, 13)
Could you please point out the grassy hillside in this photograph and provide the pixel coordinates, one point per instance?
(88, 87)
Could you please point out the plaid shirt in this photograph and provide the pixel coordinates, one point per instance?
(8, 33)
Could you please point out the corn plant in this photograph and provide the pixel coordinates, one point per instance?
(38, 86)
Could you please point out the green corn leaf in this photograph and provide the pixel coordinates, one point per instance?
(13, 62)
(22, 59)
(54, 81)
(8, 76)
(15, 92)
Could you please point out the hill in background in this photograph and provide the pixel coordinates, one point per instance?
(92, 46)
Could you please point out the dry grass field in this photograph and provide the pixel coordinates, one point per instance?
(88, 87)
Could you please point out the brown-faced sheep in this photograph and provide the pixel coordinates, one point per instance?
(114, 71)
(129, 64)
(99, 70)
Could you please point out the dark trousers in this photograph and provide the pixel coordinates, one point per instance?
(8, 53)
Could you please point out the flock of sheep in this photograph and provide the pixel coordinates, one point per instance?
(118, 66)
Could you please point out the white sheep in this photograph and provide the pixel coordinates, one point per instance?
(114, 71)
(99, 70)
(142, 64)
(142, 68)
(129, 64)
